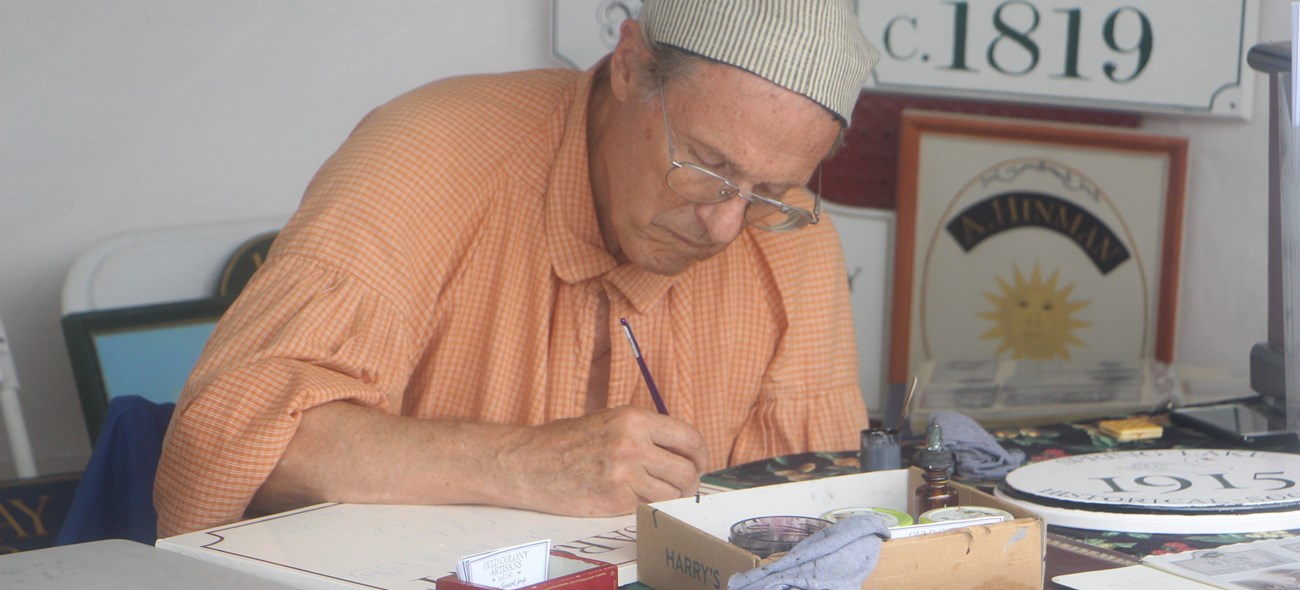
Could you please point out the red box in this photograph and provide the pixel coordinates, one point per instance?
(568, 572)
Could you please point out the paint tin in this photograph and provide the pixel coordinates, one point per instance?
(950, 513)
(892, 518)
(879, 450)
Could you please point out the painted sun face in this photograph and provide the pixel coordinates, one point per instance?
(1034, 320)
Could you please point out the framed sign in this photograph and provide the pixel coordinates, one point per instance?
(1025, 240)
(1187, 56)
(867, 238)
(1136, 55)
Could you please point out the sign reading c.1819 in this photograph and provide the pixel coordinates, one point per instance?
(1182, 56)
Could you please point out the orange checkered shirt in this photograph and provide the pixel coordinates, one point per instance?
(446, 262)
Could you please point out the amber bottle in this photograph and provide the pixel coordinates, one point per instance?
(936, 463)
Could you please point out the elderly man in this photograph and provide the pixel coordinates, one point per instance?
(438, 323)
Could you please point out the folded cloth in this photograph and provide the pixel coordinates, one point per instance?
(978, 454)
(838, 557)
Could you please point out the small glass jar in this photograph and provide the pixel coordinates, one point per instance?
(766, 535)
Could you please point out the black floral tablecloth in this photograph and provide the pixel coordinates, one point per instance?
(1039, 443)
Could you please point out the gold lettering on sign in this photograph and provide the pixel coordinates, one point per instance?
(36, 525)
(1013, 210)
(36, 515)
(11, 522)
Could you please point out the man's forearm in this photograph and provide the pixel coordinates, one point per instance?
(346, 452)
(598, 465)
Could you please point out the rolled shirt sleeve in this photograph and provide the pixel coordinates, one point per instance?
(300, 343)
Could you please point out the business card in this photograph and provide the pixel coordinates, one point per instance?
(507, 568)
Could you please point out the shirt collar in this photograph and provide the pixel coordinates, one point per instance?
(576, 247)
(642, 288)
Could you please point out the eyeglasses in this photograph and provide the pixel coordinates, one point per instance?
(698, 184)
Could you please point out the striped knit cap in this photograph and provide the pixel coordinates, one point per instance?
(813, 47)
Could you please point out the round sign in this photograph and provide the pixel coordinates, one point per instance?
(1157, 490)
(1190, 481)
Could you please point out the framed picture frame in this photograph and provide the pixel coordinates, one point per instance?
(145, 350)
(867, 238)
(1028, 240)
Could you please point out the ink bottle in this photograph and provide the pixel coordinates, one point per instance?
(879, 450)
(936, 464)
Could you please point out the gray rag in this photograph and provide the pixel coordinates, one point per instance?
(838, 557)
(978, 454)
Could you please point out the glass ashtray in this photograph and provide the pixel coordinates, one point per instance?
(767, 535)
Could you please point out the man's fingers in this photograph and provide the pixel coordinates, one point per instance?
(605, 463)
(679, 438)
(653, 489)
(676, 480)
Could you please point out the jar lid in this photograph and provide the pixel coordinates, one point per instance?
(950, 513)
(892, 518)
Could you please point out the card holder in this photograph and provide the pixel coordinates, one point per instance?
(568, 572)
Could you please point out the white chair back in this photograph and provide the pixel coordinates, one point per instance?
(20, 445)
(157, 265)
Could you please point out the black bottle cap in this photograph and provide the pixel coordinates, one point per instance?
(934, 456)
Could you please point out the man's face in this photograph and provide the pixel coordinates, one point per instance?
(762, 137)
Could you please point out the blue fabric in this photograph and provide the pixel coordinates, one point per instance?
(115, 497)
(838, 557)
(978, 454)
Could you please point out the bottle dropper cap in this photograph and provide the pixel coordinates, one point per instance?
(934, 456)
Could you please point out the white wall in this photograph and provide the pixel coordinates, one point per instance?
(133, 114)
(145, 113)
